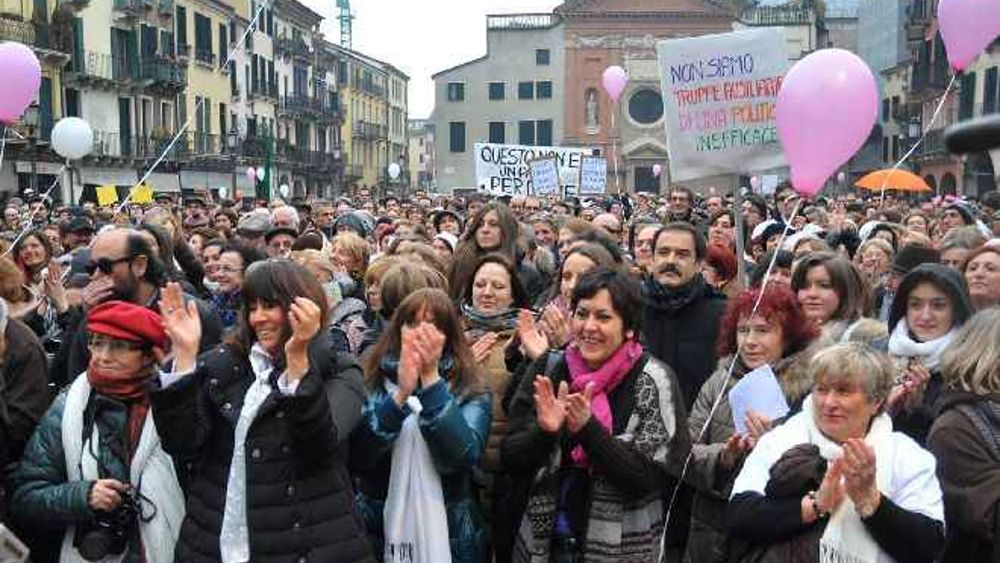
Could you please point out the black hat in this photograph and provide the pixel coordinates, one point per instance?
(913, 255)
(946, 279)
(158, 196)
(194, 199)
(78, 224)
(441, 213)
(275, 231)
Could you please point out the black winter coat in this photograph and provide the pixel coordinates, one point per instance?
(24, 393)
(300, 504)
(681, 328)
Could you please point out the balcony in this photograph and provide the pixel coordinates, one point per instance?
(369, 131)
(132, 7)
(183, 51)
(165, 7)
(302, 106)
(163, 72)
(97, 69)
(293, 47)
(263, 89)
(205, 56)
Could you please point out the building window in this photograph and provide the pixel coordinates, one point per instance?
(645, 180)
(525, 90)
(543, 132)
(526, 132)
(181, 23)
(990, 91)
(456, 91)
(885, 110)
(496, 91)
(456, 130)
(544, 90)
(645, 107)
(885, 149)
(968, 96)
(497, 132)
(203, 39)
(542, 57)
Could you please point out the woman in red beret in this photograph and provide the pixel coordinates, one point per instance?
(263, 422)
(94, 468)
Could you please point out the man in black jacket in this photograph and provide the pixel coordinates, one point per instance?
(682, 312)
(123, 266)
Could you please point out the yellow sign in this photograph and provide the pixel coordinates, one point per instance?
(143, 193)
(107, 195)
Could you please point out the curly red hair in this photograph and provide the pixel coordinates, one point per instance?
(778, 304)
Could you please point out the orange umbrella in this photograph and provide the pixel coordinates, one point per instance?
(899, 180)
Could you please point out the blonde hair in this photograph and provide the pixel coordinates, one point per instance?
(855, 360)
(357, 247)
(972, 362)
(378, 268)
(878, 243)
(314, 259)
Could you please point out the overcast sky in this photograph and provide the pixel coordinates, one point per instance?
(422, 37)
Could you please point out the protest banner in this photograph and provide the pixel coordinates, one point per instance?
(505, 169)
(544, 176)
(143, 193)
(719, 95)
(107, 195)
(593, 175)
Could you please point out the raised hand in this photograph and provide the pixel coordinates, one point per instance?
(183, 326)
(98, 291)
(304, 318)
(912, 384)
(550, 408)
(429, 342)
(859, 476)
(410, 361)
(54, 287)
(831, 491)
(532, 340)
(736, 447)
(578, 409)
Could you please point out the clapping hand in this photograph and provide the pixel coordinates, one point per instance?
(736, 447)
(419, 356)
(550, 408)
(578, 409)
(183, 326)
(481, 347)
(757, 425)
(858, 464)
(532, 340)
(555, 326)
(912, 383)
(54, 287)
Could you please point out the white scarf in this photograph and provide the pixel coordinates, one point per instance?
(415, 523)
(152, 470)
(234, 540)
(902, 346)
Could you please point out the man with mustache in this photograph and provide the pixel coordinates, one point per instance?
(680, 326)
(682, 311)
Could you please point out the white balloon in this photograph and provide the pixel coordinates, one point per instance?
(72, 138)
(223, 192)
(260, 173)
(284, 190)
(394, 170)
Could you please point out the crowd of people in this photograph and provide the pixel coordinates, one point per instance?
(434, 378)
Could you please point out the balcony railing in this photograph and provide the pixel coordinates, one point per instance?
(261, 88)
(205, 56)
(100, 66)
(166, 7)
(41, 35)
(163, 71)
(293, 46)
(366, 130)
(183, 50)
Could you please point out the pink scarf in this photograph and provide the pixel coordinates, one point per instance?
(605, 379)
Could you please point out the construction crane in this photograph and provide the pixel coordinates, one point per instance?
(345, 18)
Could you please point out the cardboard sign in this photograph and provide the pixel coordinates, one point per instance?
(107, 195)
(143, 193)
(544, 176)
(719, 96)
(593, 175)
(506, 170)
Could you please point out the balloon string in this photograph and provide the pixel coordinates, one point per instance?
(27, 228)
(187, 123)
(923, 135)
(725, 385)
(614, 151)
(3, 146)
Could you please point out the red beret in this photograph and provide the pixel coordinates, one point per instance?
(128, 321)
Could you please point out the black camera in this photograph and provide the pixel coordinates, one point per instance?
(110, 533)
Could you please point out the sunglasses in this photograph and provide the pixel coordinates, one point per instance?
(105, 265)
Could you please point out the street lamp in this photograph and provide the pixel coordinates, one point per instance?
(232, 141)
(30, 120)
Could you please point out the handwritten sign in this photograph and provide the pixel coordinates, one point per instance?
(505, 169)
(593, 175)
(719, 94)
(107, 195)
(544, 176)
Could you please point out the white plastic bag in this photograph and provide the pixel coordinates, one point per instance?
(415, 521)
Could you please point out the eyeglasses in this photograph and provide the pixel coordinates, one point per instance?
(99, 342)
(105, 265)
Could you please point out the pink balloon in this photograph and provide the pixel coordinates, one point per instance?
(967, 27)
(826, 109)
(22, 77)
(614, 80)
(657, 170)
(251, 174)
(755, 182)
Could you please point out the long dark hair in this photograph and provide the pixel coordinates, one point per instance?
(468, 252)
(847, 281)
(464, 379)
(275, 282)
